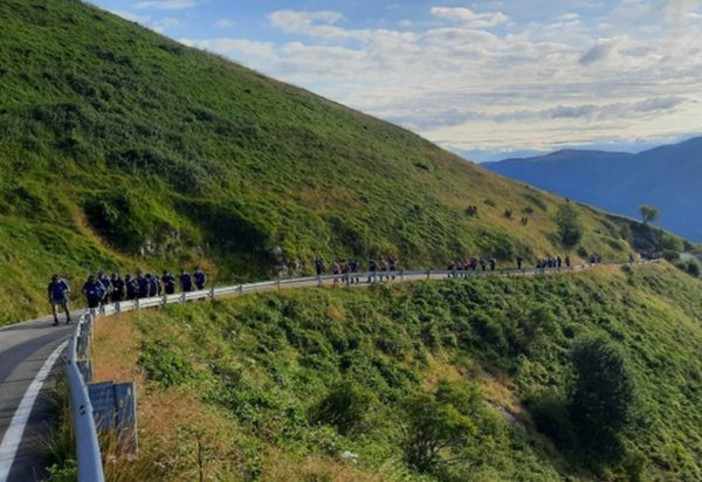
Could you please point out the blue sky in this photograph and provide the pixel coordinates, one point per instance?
(488, 79)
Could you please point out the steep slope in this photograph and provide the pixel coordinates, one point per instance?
(666, 177)
(120, 148)
(242, 379)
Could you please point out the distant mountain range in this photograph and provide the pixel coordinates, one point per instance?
(668, 177)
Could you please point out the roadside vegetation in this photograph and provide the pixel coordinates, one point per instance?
(581, 377)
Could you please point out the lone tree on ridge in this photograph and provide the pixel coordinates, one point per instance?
(649, 213)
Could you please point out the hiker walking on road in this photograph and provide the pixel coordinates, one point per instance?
(200, 278)
(94, 291)
(394, 263)
(319, 266)
(169, 282)
(131, 286)
(58, 290)
(373, 268)
(493, 263)
(117, 287)
(186, 281)
(520, 261)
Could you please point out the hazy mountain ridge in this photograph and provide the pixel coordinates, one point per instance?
(666, 177)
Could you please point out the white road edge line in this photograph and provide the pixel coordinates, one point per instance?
(13, 437)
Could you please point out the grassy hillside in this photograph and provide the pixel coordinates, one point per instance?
(234, 389)
(120, 148)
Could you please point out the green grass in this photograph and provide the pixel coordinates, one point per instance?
(259, 365)
(135, 150)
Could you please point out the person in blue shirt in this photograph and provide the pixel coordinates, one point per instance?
(131, 286)
(169, 282)
(154, 287)
(186, 281)
(94, 291)
(143, 285)
(199, 278)
(58, 290)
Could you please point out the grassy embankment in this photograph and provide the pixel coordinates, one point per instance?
(232, 390)
(120, 148)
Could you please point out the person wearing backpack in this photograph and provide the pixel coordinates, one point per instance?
(58, 290)
(169, 282)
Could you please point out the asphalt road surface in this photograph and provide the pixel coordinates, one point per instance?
(29, 363)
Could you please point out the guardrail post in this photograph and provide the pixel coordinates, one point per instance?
(428, 274)
(402, 275)
(319, 280)
(136, 303)
(211, 294)
(277, 283)
(241, 289)
(183, 298)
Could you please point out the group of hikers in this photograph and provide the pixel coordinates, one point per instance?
(101, 289)
(351, 268)
(472, 264)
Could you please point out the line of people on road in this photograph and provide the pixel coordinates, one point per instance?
(378, 268)
(102, 289)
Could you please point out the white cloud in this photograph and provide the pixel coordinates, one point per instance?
(470, 18)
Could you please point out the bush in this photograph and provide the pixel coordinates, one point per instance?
(549, 410)
(602, 400)
(444, 421)
(570, 229)
(344, 407)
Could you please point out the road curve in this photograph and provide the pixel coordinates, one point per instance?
(24, 351)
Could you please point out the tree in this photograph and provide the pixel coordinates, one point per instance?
(601, 402)
(648, 213)
(437, 423)
(570, 230)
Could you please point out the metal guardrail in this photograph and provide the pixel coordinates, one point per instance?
(87, 446)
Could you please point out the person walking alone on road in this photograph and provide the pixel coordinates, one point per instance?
(58, 290)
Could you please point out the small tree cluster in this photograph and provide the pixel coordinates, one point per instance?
(648, 213)
(602, 400)
(440, 423)
(344, 407)
(570, 229)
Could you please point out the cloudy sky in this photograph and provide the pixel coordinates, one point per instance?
(484, 78)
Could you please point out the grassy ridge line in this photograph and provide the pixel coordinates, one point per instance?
(120, 148)
(255, 366)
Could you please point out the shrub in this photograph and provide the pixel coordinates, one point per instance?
(344, 407)
(508, 213)
(602, 400)
(442, 422)
(570, 229)
(549, 410)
